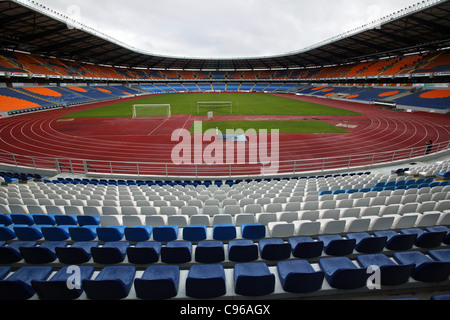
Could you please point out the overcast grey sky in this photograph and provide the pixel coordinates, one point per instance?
(224, 29)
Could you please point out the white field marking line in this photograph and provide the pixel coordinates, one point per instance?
(158, 127)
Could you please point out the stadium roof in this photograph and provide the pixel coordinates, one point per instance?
(26, 25)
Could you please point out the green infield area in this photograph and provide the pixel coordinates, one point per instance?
(282, 126)
(238, 104)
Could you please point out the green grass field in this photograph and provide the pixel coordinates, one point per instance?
(282, 126)
(243, 104)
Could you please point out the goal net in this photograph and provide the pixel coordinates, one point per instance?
(154, 111)
(203, 107)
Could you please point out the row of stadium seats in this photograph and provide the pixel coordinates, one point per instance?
(16, 62)
(209, 281)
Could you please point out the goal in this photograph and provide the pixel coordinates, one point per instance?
(154, 111)
(203, 107)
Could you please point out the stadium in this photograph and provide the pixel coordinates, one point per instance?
(316, 174)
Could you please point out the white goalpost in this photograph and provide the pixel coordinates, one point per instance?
(214, 106)
(154, 111)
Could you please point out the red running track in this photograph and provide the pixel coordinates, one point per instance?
(117, 144)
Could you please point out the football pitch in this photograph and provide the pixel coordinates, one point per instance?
(243, 104)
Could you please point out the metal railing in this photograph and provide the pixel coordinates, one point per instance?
(169, 170)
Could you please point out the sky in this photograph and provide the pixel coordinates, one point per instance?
(224, 29)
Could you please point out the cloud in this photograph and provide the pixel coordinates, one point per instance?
(224, 29)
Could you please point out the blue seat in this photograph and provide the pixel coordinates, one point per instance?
(4, 271)
(84, 233)
(441, 229)
(11, 253)
(138, 233)
(274, 249)
(440, 255)
(396, 241)
(7, 233)
(158, 283)
(29, 233)
(306, 247)
(253, 279)
(66, 220)
(242, 251)
(177, 252)
(60, 233)
(23, 219)
(165, 233)
(5, 219)
(112, 283)
(253, 231)
(298, 276)
(45, 253)
(335, 245)
(365, 243)
(206, 282)
(56, 288)
(440, 297)
(427, 270)
(144, 253)
(111, 234)
(392, 274)
(110, 253)
(225, 232)
(194, 233)
(341, 273)
(18, 285)
(426, 239)
(44, 219)
(210, 252)
(78, 253)
(88, 220)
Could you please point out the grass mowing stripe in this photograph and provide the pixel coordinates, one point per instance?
(249, 104)
(282, 126)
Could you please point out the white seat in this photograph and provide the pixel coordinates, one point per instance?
(428, 219)
(405, 221)
(330, 214)
(444, 220)
(155, 220)
(281, 229)
(266, 218)
(408, 208)
(244, 218)
(363, 202)
(328, 204)
(309, 215)
(133, 221)
(331, 226)
(389, 210)
(149, 211)
(73, 210)
(189, 211)
(168, 211)
(307, 228)
(211, 210)
(178, 220)
(55, 210)
(287, 216)
(394, 200)
(273, 207)
(35, 209)
(292, 206)
(442, 206)
(18, 208)
(310, 205)
(219, 219)
(357, 224)
(346, 203)
(107, 221)
(253, 208)
(201, 219)
(232, 210)
(381, 223)
(370, 211)
(111, 211)
(131, 211)
(426, 206)
(350, 213)
(378, 201)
